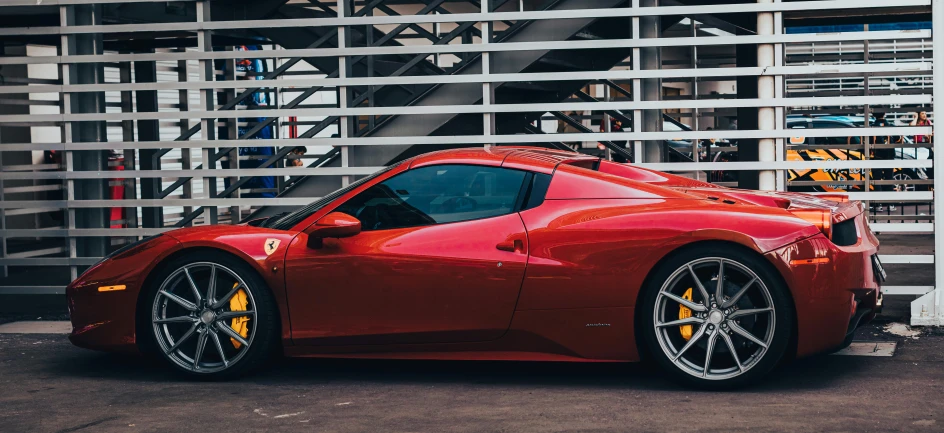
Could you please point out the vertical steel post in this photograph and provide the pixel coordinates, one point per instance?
(92, 102)
(780, 144)
(149, 130)
(638, 153)
(186, 154)
(938, 53)
(650, 58)
(231, 129)
(866, 114)
(66, 17)
(929, 308)
(344, 93)
(693, 27)
(3, 225)
(127, 134)
(766, 89)
(488, 92)
(207, 97)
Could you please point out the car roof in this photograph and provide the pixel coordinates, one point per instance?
(537, 159)
(845, 121)
(830, 118)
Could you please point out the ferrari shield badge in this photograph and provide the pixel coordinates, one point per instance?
(271, 245)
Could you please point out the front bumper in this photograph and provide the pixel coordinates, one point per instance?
(105, 320)
(833, 298)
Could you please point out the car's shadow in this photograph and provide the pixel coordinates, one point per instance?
(812, 373)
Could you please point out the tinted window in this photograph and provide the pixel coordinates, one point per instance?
(821, 124)
(435, 195)
(289, 220)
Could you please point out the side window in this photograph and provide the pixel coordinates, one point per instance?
(435, 195)
(836, 140)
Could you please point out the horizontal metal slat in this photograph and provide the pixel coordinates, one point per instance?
(478, 109)
(906, 290)
(902, 259)
(471, 48)
(682, 10)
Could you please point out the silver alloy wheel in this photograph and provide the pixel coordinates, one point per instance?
(187, 317)
(902, 176)
(735, 307)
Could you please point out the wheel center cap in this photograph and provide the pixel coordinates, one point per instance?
(208, 317)
(715, 317)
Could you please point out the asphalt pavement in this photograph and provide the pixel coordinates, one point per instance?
(47, 385)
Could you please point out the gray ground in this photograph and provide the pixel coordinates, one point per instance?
(47, 385)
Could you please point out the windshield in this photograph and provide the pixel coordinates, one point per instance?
(288, 221)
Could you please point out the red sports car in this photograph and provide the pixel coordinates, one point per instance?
(501, 253)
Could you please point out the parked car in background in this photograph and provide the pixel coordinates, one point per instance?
(804, 148)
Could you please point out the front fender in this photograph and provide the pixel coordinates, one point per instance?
(248, 244)
(106, 320)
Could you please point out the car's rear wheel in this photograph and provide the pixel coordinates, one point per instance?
(211, 316)
(716, 317)
(904, 176)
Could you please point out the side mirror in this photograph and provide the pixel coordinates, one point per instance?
(332, 225)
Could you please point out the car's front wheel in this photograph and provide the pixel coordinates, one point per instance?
(716, 317)
(211, 316)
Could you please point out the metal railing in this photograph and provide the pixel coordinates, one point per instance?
(368, 81)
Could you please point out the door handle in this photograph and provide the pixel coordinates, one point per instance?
(515, 246)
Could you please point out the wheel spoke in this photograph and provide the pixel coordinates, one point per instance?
(211, 286)
(180, 301)
(222, 301)
(685, 302)
(232, 334)
(182, 339)
(719, 289)
(219, 348)
(709, 351)
(701, 287)
(744, 333)
(749, 312)
(737, 296)
(201, 344)
(734, 354)
(680, 322)
(193, 286)
(691, 342)
(232, 314)
(178, 319)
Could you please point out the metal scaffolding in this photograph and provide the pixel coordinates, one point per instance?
(126, 118)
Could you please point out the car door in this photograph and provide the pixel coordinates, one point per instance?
(440, 258)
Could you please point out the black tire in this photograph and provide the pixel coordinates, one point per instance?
(781, 325)
(264, 336)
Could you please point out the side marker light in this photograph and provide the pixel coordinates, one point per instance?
(817, 261)
(112, 288)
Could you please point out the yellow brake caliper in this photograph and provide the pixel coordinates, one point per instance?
(685, 313)
(238, 302)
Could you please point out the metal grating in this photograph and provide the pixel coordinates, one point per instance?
(145, 104)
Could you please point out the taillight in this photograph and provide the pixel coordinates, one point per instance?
(839, 198)
(821, 218)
